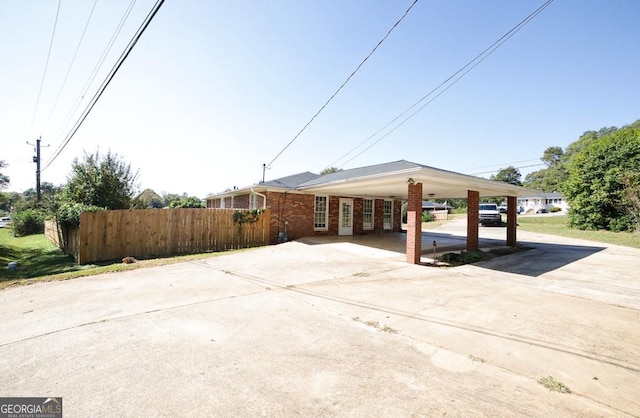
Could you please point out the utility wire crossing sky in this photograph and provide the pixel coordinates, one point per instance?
(213, 91)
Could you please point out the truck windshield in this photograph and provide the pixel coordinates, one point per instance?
(488, 207)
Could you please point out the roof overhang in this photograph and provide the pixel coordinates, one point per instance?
(436, 184)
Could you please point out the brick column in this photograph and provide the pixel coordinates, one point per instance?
(473, 206)
(512, 222)
(414, 224)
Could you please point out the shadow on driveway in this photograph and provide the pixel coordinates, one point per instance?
(542, 258)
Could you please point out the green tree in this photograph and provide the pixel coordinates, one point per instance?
(103, 181)
(549, 179)
(596, 189)
(508, 175)
(187, 202)
(167, 198)
(330, 170)
(4, 180)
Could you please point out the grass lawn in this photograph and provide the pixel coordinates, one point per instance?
(558, 225)
(39, 260)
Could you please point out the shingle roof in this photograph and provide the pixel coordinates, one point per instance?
(362, 172)
(291, 182)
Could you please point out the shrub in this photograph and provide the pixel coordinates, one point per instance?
(427, 217)
(555, 209)
(28, 222)
(68, 214)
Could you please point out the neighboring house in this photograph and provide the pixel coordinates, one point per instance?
(355, 201)
(428, 206)
(542, 202)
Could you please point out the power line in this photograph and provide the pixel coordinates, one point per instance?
(504, 164)
(66, 76)
(106, 82)
(464, 70)
(95, 70)
(493, 171)
(343, 84)
(46, 65)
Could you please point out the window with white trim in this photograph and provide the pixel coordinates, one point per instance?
(388, 214)
(367, 214)
(320, 213)
(253, 201)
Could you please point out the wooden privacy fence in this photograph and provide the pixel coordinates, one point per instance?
(114, 234)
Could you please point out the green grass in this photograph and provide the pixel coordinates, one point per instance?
(559, 225)
(40, 260)
(35, 254)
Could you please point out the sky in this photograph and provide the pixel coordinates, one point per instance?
(215, 89)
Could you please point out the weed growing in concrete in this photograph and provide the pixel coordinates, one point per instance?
(475, 358)
(390, 330)
(553, 385)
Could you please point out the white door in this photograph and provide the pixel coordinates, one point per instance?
(345, 219)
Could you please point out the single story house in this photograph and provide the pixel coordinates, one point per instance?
(367, 200)
(542, 202)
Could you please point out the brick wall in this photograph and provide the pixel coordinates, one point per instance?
(291, 211)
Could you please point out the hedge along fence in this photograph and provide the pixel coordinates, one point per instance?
(142, 233)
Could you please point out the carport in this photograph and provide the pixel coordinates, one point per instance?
(414, 182)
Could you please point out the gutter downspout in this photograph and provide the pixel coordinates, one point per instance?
(264, 198)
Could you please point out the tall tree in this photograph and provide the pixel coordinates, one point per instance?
(104, 181)
(508, 175)
(4, 180)
(552, 156)
(596, 188)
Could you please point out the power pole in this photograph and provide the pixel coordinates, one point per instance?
(36, 159)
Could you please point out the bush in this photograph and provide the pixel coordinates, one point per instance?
(68, 214)
(28, 222)
(427, 217)
(555, 209)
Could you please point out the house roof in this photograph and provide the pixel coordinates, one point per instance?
(435, 205)
(291, 182)
(389, 180)
(550, 195)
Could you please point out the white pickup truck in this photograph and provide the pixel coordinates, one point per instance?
(489, 214)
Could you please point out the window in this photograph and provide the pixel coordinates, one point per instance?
(388, 214)
(320, 213)
(253, 201)
(367, 214)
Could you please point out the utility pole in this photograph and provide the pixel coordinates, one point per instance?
(36, 159)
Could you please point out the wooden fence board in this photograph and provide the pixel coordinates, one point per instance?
(142, 233)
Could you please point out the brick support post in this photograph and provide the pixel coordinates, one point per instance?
(512, 222)
(473, 206)
(414, 224)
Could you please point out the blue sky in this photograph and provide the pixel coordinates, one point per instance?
(215, 89)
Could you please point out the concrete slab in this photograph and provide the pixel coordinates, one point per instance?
(335, 329)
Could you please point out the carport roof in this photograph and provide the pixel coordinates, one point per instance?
(390, 180)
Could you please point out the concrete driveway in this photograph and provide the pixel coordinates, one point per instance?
(336, 329)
